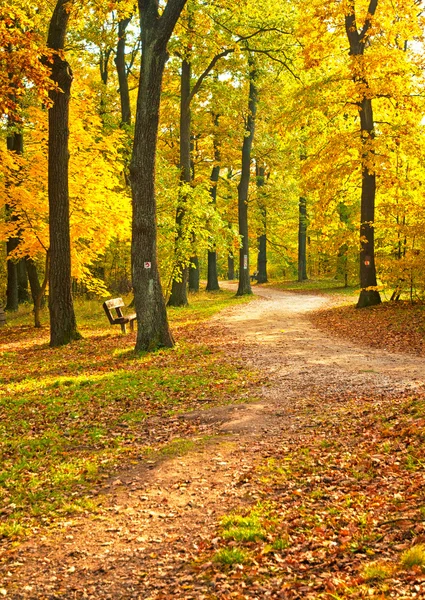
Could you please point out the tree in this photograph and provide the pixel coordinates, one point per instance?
(14, 144)
(212, 275)
(63, 326)
(153, 330)
(243, 187)
(262, 237)
(369, 294)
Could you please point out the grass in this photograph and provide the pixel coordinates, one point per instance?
(230, 556)
(242, 529)
(414, 557)
(69, 416)
(376, 571)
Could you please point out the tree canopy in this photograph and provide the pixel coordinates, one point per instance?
(339, 144)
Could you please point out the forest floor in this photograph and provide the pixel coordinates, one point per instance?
(314, 490)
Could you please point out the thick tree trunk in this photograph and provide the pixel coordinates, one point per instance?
(178, 296)
(369, 295)
(153, 330)
(244, 277)
(122, 72)
(302, 239)
(262, 238)
(212, 275)
(63, 327)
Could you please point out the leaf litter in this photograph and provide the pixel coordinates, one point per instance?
(317, 491)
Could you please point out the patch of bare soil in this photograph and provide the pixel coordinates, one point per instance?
(158, 516)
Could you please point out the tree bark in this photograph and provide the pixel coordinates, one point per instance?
(194, 274)
(262, 238)
(212, 276)
(230, 267)
(12, 296)
(302, 239)
(153, 330)
(23, 294)
(38, 300)
(122, 72)
(63, 326)
(15, 143)
(178, 296)
(33, 279)
(369, 295)
(244, 277)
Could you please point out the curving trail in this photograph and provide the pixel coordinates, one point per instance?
(284, 342)
(158, 515)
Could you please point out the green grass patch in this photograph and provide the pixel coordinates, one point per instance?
(68, 416)
(242, 529)
(230, 556)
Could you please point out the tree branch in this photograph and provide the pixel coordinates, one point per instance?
(169, 18)
(207, 71)
(368, 23)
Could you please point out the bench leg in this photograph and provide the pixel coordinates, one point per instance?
(123, 328)
(131, 325)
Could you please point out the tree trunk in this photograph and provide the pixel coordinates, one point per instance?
(15, 143)
(194, 274)
(63, 327)
(38, 299)
(33, 279)
(12, 296)
(212, 277)
(244, 277)
(178, 296)
(122, 72)
(369, 295)
(104, 75)
(230, 267)
(262, 239)
(302, 239)
(153, 330)
(23, 294)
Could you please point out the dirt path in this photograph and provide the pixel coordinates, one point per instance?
(158, 515)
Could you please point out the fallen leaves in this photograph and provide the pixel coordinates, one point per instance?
(392, 326)
(332, 502)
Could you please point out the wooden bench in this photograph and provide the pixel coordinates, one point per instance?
(254, 276)
(120, 319)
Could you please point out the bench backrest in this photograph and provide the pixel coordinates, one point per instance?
(108, 305)
(115, 303)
